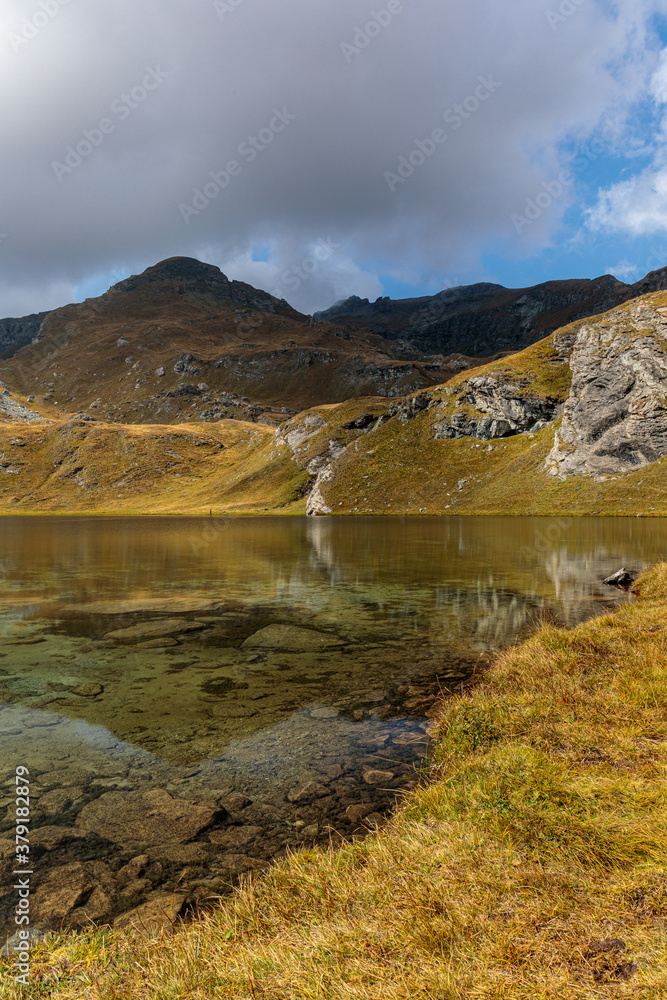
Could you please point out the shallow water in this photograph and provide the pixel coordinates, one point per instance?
(258, 668)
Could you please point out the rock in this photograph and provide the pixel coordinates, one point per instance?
(160, 372)
(235, 864)
(51, 837)
(306, 793)
(620, 579)
(16, 943)
(373, 821)
(154, 916)
(145, 818)
(7, 849)
(496, 406)
(374, 777)
(155, 629)
(292, 638)
(29, 641)
(356, 812)
(133, 869)
(235, 836)
(180, 854)
(324, 713)
(164, 643)
(152, 605)
(73, 895)
(409, 408)
(88, 690)
(310, 832)
(234, 803)
(332, 771)
(59, 799)
(137, 887)
(615, 418)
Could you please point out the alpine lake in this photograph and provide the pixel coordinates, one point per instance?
(193, 698)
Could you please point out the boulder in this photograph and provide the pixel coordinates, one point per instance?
(88, 690)
(59, 799)
(306, 793)
(500, 406)
(148, 818)
(292, 638)
(621, 578)
(153, 916)
(74, 895)
(358, 810)
(376, 777)
(50, 837)
(155, 629)
(236, 864)
(235, 836)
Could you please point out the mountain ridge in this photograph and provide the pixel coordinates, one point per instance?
(485, 318)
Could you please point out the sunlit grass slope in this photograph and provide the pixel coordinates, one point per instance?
(531, 863)
(376, 463)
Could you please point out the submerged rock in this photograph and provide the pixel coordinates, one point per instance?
(74, 894)
(306, 793)
(291, 637)
(145, 818)
(156, 629)
(235, 836)
(374, 777)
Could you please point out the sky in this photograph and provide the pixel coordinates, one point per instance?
(326, 148)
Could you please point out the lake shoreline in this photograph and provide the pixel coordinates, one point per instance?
(529, 864)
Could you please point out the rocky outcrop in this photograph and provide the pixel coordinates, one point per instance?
(16, 333)
(615, 419)
(483, 319)
(500, 408)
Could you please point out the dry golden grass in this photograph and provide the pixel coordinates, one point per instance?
(530, 865)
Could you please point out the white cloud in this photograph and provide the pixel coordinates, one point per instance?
(324, 175)
(624, 271)
(637, 206)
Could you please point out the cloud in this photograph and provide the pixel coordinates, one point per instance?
(624, 271)
(116, 114)
(637, 206)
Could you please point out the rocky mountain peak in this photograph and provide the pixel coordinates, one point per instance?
(186, 276)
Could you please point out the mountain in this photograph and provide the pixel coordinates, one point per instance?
(182, 341)
(484, 319)
(574, 424)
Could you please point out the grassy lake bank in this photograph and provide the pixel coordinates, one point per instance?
(529, 864)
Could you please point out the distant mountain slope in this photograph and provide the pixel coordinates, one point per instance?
(484, 319)
(182, 341)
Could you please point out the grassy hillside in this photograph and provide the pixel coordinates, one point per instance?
(73, 466)
(529, 864)
(378, 461)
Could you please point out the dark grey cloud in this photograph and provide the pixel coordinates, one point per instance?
(139, 129)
